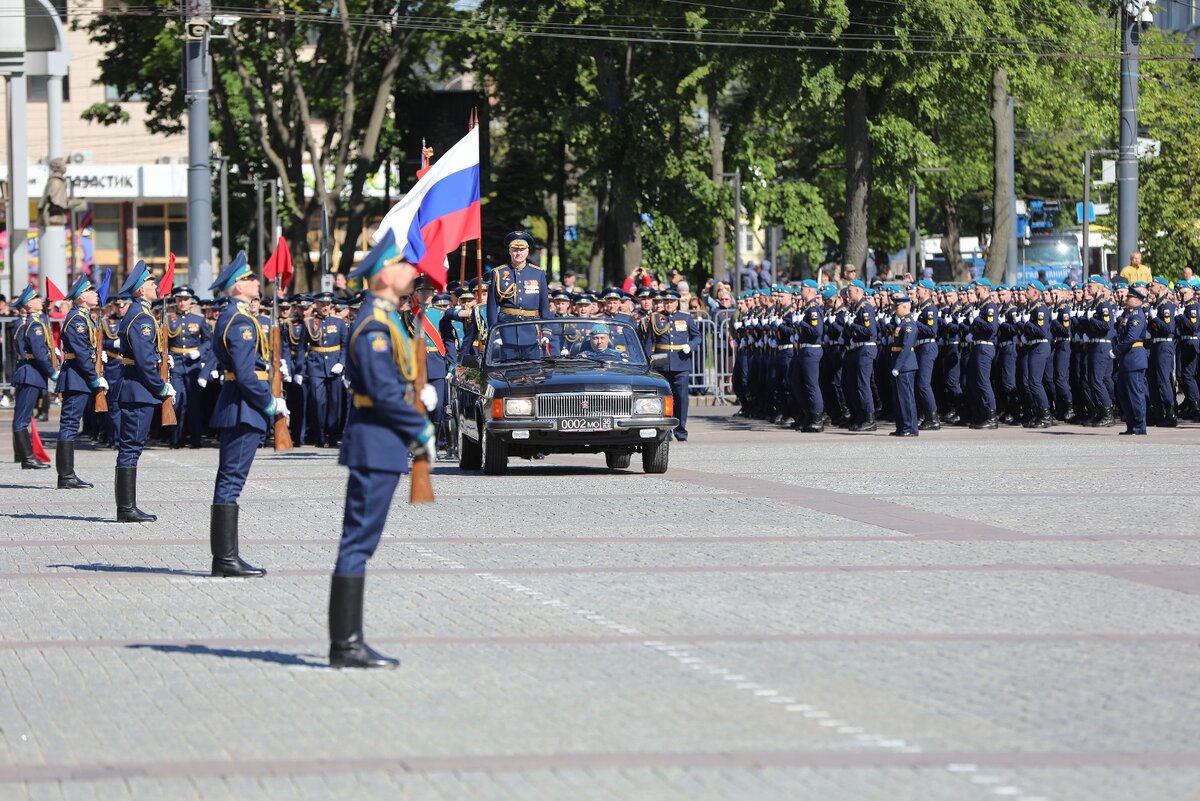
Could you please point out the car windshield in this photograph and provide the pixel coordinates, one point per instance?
(563, 339)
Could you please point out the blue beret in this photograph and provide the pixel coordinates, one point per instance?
(925, 283)
(1181, 284)
(809, 284)
(1098, 279)
(1138, 293)
(1038, 285)
(139, 275)
(81, 285)
(868, 292)
(1158, 279)
(377, 257)
(983, 282)
(235, 271)
(828, 291)
(901, 299)
(858, 284)
(599, 329)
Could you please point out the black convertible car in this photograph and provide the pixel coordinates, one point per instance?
(568, 385)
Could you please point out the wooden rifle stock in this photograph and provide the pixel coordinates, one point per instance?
(164, 372)
(102, 395)
(421, 487)
(283, 435)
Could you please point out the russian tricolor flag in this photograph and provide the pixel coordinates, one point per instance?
(440, 212)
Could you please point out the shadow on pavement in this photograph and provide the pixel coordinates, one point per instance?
(32, 516)
(22, 486)
(195, 649)
(97, 567)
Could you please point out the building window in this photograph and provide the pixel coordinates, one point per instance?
(162, 230)
(36, 88)
(106, 234)
(113, 95)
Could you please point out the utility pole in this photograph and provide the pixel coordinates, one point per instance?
(1127, 158)
(197, 16)
(1010, 272)
(1087, 204)
(260, 224)
(224, 210)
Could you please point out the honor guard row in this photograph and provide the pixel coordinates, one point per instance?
(979, 355)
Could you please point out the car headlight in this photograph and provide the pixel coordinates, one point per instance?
(648, 406)
(518, 407)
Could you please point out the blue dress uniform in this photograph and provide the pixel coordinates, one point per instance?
(1035, 336)
(983, 329)
(384, 426)
(36, 365)
(440, 354)
(904, 367)
(1061, 332)
(325, 360)
(519, 293)
(142, 389)
(808, 334)
(859, 363)
(244, 412)
(110, 335)
(76, 381)
(1161, 320)
(927, 353)
(292, 338)
(188, 339)
(1098, 327)
(677, 335)
(950, 331)
(1132, 362)
(1006, 361)
(1187, 327)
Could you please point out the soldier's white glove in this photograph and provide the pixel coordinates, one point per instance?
(1091, 313)
(58, 352)
(336, 369)
(117, 343)
(168, 392)
(687, 348)
(1112, 355)
(426, 449)
(284, 371)
(429, 398)
(101, 383)
(203, 382)
(544, 341)
(298, 380)
(564, 352)
(170, 361)
(193, 354)
(346, 383)
(104, 356)
(1153, 314)
(214, 375)
(278, 406)
(896, 373)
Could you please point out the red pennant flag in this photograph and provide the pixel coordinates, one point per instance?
(53, 293)
(39, 450)
(279, 264)
(167, 282)
(426, 155)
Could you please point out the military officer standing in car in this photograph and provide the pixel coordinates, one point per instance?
(519, 293)
(676, 334)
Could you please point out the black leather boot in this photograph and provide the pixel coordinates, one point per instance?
(346, 646)
(989, 422)
(1169, 420)
(23, 446)
(16, 449)
(931, 423)
(64, 461)
(126, 486)
(223, 537)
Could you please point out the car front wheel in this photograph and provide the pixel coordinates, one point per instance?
(470, 456)
(655, 457)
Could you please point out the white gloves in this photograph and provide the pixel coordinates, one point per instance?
(58, 352)
(429, 398)
(193, 355)
(170, 361)
(336, 369)
(427, 450)
(101, 383)
(896, 373)
(1112, 355)
(687, 348)
(279, 406)
(169, 391)
(1153, 314)
(544, 341)
(202, 381)
(1091, 313)
(564, 352)
(284, 371)
(104, 356)
(117, 343)
(346, 383)
(298, 380)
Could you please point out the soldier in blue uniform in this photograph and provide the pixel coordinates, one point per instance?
(1187, 324)
(384, 426)
(110, 338)
(624, 338)
(188, 338)
(904, 367)
(1161, 320)
(1061, 332)
(1132, 361)
(927, 353)
(1034, 335)
(142, 388)
(1098, 328)
(519, 293)
(78, 379)
(440, 351)
(324, 351)
(245, 410)
(808, 333)
(600, 346)
(676, 334)
(36, 364)
(951, 327)
(983, 324)
(859, 361)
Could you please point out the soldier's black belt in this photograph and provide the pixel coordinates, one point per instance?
(983, 342)
(926, 341)
(857, 345)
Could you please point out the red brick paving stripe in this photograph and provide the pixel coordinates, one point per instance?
(501, 763)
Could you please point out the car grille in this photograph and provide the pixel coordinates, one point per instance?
(585, 404)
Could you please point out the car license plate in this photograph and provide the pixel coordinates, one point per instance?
(585, 424)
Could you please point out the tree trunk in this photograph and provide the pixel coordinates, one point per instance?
(1002, 200)
(952, 244)
(595, 273)
(717, 148)
(858, 180)
(560, 206)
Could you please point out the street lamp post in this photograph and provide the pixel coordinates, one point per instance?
(197, 14)
(1087, 203)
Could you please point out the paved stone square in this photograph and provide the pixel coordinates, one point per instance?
(969, 615)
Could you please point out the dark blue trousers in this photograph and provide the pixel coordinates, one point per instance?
(134, 429)
(25, 402)
(1006, 373)
(73, 406)
(982, 357)
(1099, 367)
(926, 358)
(325, 413)
(368, 497)
(1188, 352)
(1060, 360)
(238, 446)
(857, 367)
(1161, 375)
(806, 382)
(1037, 359)
(1132, 386)
(679, 391)
(904, 395)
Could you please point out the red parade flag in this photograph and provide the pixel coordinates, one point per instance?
(167, 282)
(53, 293)
(39, 450)
(279, 264)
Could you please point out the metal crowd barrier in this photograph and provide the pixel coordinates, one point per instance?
(712, 365)
(8, 358)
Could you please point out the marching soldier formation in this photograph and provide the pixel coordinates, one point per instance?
(929, 355)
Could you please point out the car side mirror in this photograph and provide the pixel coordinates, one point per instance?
(659, 361)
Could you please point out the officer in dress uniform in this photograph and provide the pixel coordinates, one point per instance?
(384, 426)
(983, 324)
(36, 364)
(325, 342)
(1035, 344)
(440, 352)
(188, 339)
(951, 329)
(1161, 320)
(623, 337)
(519, 293)
(1132, 361)
(142, 388)
(244, 413)
(808, 331)
(927, 353)
(1060, 352)
(859, 360)
(1188, 329)
(904, 367)
(1097, 324)
(78, 379)
(676, 334)
(475, 328)
(110, 338)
